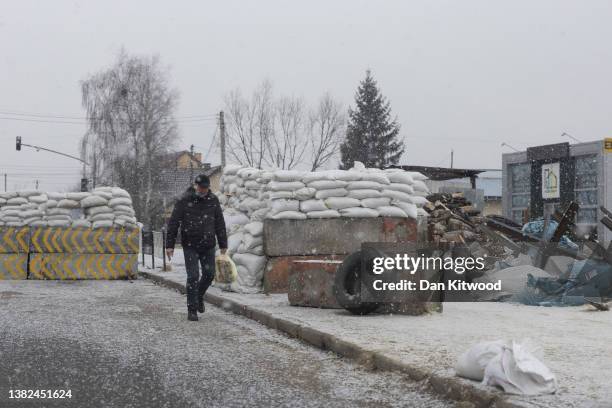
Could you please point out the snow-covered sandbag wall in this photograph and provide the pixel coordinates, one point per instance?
(250, 195)
(103, 207)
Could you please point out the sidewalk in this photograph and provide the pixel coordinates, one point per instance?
(575, 341)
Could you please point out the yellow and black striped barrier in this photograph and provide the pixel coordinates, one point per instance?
(67, 253)
(13, 266)
(14, 240)
(83, 266)
(84, 240)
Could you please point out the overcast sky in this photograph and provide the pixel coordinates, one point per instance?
(462, 75)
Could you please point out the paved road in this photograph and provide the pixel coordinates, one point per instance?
(128, 344)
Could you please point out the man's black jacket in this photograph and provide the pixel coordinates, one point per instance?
(200, 220)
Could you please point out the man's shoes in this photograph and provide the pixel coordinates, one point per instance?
(192, 315)
(201, 307)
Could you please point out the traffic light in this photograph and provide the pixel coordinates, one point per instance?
(18, 143)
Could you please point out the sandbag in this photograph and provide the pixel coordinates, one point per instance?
(277, 206)
(375, 202)
(28, 193)
(233, 241)
(253, 263)
(400, 177)
(119, 192)
(327, 184)
(93, 201)
(77, 196)
(50, 204)
(397, 195)
(56, 196)
(8, 194)
(363, 194)
(285, 185)
(287, 175)
(17, 200)
(119, 201)
(378, 177)
(409, 208)
(58, 223)
(358, 212)
(124, 208)
(344, 175)
(288, 215)
(364, 185)
(338, 203)
(59, 211)
(419, 185)
(304, 193)
(102, 217)
(254, 228)
(517, 371)
(416, 175)
(312, 205)
(391, 211)
(404, 188)
(259, 215)
(68, 203)
(249, 241)
(471, 364)
(102, 224)
(334, 192)
(38, 199)
(107, 195)
(275, 195)
(91, 211)
(323, 214)
(419, 201)
(81, 223)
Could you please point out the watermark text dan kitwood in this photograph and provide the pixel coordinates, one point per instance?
(404, 263)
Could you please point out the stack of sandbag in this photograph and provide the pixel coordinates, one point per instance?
(104, 207)
(249, 258)
(355, 193)
(244, 187)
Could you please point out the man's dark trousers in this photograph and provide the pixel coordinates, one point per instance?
(196, 286)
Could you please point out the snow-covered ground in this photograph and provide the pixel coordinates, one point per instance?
(575, 341)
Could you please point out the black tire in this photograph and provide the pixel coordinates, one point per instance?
(347, 286)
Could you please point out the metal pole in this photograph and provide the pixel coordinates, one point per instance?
(452, 157)
(142, 239)
(222, 137)
(5, 182)
(164, 247)
(152, 250)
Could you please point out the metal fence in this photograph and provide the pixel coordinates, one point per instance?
(154, 244)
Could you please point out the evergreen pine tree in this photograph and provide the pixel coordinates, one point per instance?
(371, 136)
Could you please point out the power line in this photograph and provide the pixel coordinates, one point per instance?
(84, 122)
(51, 116)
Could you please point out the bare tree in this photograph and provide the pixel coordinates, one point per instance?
(250, 124)
(130, 109)
(287, 144)
(326, 128)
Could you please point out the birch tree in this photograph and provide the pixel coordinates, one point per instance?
(131, 125)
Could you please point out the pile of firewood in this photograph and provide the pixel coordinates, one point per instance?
(452, 218)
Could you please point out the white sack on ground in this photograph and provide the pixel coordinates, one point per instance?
(517, 371)
(471, 364)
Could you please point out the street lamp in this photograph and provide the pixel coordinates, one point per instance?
(504, 144)
(571, 137)
(19, 144)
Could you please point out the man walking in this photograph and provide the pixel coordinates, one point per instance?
(198, 214)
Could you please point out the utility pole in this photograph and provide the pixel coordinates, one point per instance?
(452, 157)
(191, 153)
(5, 182)
(36, 184)
(222, 137)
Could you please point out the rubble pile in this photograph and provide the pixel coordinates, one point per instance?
(103, 207)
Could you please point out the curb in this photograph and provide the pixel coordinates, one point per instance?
(445, 386)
